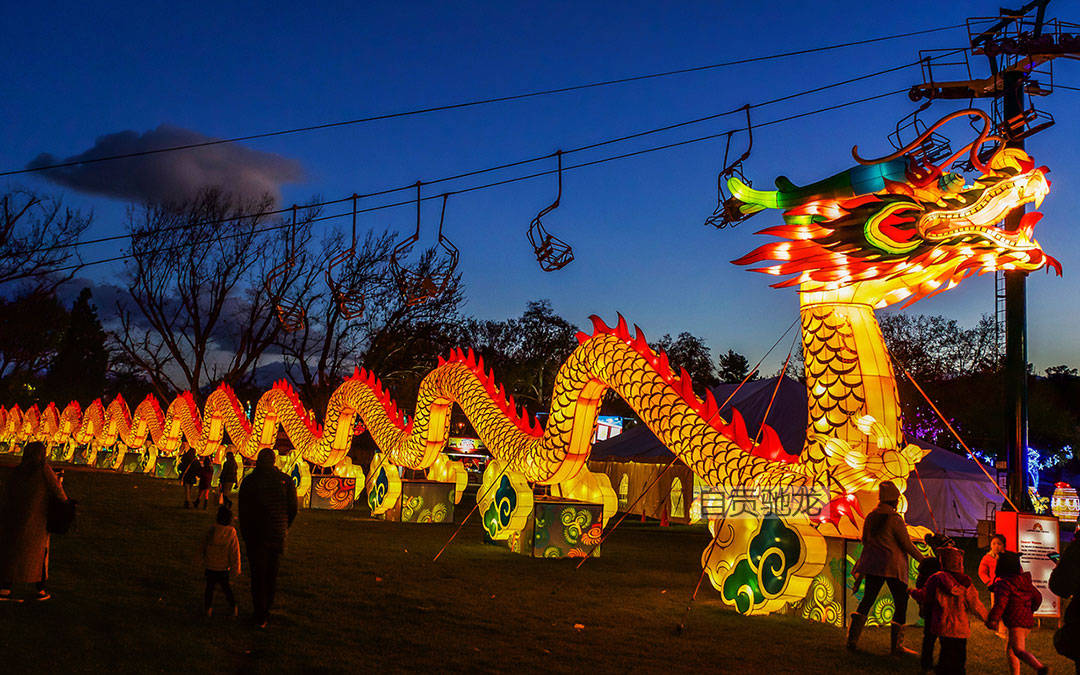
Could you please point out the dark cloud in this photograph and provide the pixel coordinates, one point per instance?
(171, 176)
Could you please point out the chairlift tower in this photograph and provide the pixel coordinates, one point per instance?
(1020, 46)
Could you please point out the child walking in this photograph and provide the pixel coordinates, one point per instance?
(1015, 602)
(988, 571)
(951, 595)
(221, 555)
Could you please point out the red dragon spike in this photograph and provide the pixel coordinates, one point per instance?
(621, 330)
(582, 337)
(684, 381)
(663, 368)
(771, 448)
(640, 343)
(710, 405)
(598, 325)
(737, 429)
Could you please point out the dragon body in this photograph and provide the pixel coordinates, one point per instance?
(875, 235)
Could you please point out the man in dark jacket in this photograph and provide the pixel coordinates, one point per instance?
(267, 509)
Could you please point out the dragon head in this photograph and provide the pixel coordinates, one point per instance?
(895, 229)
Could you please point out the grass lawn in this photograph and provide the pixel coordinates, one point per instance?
(356, 594)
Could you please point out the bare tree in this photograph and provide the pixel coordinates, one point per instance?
(38, 238)
(206, 279)
(391, 335)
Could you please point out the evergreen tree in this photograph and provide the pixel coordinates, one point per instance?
(78, 371)
(733, 367)
(31, 328)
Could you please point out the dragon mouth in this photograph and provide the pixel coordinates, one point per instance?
(983, 219)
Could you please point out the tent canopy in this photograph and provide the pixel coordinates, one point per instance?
(957, 491)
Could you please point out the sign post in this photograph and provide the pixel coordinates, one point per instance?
(1034, 537)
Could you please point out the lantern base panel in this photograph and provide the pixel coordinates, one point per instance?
(423, 501)
(832, 598)
(557, 528)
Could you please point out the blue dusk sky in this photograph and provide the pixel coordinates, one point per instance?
(76, 73)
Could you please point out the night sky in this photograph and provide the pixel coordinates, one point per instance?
(75, 73)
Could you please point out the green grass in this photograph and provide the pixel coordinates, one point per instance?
(361, 595)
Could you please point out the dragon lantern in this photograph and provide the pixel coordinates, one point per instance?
(885, 231)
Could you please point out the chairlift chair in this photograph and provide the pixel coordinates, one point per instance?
(933, 149)
(346, 296)
(728, 212)
(417, 287)
(291, 314)
(551, 252)
(972, 156)
(1025, 124)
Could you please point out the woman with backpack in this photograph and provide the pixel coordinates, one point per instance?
(24, 539)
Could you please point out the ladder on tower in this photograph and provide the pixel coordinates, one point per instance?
(999, 315)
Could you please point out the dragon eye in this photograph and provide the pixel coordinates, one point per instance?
(892, 229)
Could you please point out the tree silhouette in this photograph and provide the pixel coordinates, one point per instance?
(77, 372)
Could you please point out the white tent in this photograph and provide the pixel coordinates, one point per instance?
(958, 493)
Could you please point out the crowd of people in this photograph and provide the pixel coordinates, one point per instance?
(268, 504)
(947, 596)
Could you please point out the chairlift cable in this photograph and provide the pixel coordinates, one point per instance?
(468, 104)
(486, 186)
(521, 162)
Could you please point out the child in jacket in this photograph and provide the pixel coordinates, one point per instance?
(1015, 602)
(220, 556)
(950, 595)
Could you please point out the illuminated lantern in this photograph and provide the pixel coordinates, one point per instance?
(1065, 503)
(887, 231)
